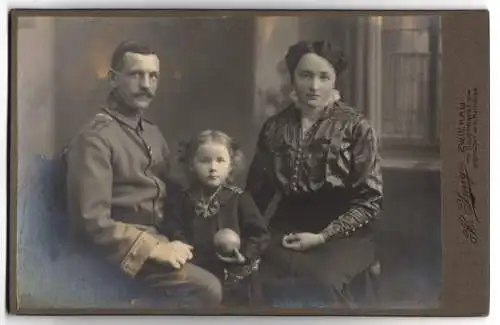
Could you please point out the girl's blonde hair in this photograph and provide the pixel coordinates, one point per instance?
(188, 150)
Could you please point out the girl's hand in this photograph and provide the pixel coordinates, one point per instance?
(302, 241)
(236, 258)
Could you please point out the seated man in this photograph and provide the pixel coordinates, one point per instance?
(116, 183)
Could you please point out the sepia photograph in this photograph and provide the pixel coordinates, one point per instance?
(228, 162)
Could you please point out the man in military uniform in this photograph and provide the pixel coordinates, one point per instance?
(117, 176)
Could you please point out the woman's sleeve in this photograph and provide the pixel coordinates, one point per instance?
(365, 183)
(260, 182)
(254, 232)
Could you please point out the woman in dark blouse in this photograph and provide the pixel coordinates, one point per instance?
(319, 157)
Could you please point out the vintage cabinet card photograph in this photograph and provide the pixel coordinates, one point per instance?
(249, 162)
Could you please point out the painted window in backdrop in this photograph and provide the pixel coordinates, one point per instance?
(410, 94)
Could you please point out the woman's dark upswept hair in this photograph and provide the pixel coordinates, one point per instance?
(187, 151)
(325, 49)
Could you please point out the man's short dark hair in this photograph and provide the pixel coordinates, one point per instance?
(127, 47)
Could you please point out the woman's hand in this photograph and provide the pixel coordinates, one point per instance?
(235, 258)
(302, 241)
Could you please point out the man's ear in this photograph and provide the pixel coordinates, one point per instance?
(112, 79)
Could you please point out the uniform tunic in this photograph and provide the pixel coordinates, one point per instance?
(328, 181)
(117, 168)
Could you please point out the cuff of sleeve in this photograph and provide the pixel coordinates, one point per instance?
(345, 225)
(333, 230)
(139, 253)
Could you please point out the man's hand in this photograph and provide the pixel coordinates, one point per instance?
(302, 241)
(175, 253)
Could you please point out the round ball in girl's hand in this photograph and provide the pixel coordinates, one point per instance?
(226, 241)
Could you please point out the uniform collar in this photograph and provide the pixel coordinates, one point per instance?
(113, 109)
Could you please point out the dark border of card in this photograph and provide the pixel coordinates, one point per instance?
(464, 165)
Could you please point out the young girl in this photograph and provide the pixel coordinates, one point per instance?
(210, 203)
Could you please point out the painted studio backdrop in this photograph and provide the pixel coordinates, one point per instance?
(227, 73)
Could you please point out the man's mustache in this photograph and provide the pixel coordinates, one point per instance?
(144, 94)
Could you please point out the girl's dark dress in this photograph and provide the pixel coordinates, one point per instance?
(187, 220)
(329, 182)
